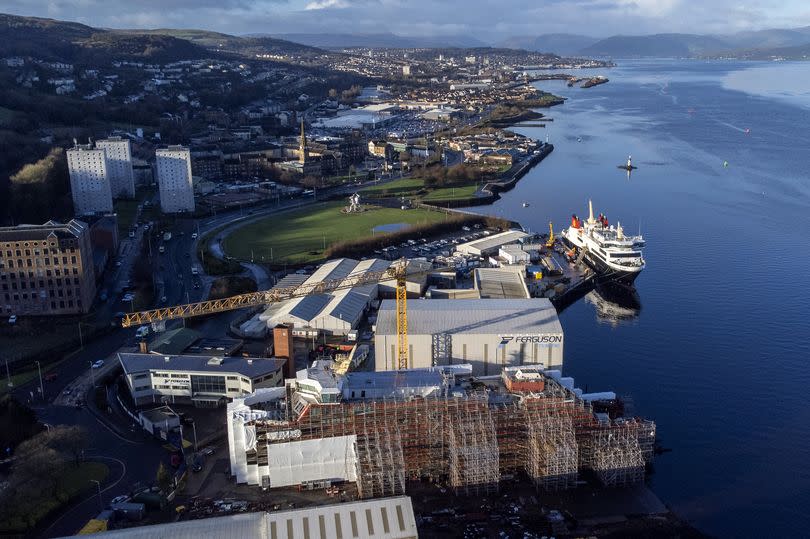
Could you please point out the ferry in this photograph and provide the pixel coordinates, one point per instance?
(614, 256)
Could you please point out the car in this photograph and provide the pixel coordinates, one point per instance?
(120, 499)
(98, 364)
(12, 319)
(208, 450)
(117, 263)
(196, 286)
(187, 255)
(131, 233)
(194, 235)
(197, 467)
(163, 299)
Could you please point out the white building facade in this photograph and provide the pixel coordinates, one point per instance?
(488, 334)
(119, 166)
(89, 180)
(173, 165)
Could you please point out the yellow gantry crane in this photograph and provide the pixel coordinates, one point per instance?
(397, 271)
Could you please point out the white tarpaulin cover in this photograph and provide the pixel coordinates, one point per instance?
(311, 460)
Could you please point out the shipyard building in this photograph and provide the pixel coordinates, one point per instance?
(381, 429)
(488, 334)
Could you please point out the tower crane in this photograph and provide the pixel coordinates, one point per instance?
(397, 271)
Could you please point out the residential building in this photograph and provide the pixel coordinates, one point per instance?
(173, 165)
(119, 166)
(46, 269)
(89, 180)
(204, 380)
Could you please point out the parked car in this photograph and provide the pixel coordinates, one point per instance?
(12, 319)
(98, 364)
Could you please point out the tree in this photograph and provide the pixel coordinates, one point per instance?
(163, 478)
(17, 423)
(70, 441)
(38, 189)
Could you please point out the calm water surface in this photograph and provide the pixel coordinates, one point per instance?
(718, 354)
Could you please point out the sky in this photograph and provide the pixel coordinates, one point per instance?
(487, 20)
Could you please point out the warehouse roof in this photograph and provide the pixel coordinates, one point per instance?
(492, 242)
(250, 367)
(383, 518)
(499, 283)
(475, 316)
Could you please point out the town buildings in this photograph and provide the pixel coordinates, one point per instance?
(173, 165)
(46, 269)
(89, 180)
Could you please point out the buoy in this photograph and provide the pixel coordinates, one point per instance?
(747, 131)
(579, 139)
(725, 164)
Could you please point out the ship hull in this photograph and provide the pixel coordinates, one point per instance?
(605, 273)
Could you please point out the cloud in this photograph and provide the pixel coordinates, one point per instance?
(480, 19)
(326, 4)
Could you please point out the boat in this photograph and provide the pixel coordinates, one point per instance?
(629, 165)
(613, 256)
(525, 204)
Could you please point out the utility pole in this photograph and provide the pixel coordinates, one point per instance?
(194, 429)
(8, 373)
(41, 387)
(81, 340)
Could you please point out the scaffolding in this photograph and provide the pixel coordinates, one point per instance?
(380, 464)
(473, 450)
(615, 456)
(552, 456)
(469, 439)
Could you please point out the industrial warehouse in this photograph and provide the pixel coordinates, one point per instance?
(489, 334)
(382, 429)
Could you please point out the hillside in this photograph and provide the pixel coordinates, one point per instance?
(75, 43)
(381, 40)
(562, 44)
(52, 40)
(661, 45)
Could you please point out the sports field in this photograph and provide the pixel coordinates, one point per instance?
(301, 236)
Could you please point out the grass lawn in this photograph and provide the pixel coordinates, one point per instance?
(451, 193)
(300, 237)
(73, 481)
(403, 186)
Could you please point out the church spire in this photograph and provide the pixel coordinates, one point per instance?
(303, 152)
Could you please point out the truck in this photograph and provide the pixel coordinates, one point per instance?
(167, 236)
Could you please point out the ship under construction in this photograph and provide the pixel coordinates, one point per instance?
(383, 429)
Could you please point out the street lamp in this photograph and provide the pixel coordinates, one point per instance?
(100, 503)
(41, 388)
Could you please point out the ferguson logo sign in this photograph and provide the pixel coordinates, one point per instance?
(531, 339)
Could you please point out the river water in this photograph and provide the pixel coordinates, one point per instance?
(718, 353)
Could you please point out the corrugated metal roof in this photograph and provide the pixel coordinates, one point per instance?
(383, 518)
(309, 307)
(498, 283)
(475, 316)
(492, 242)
